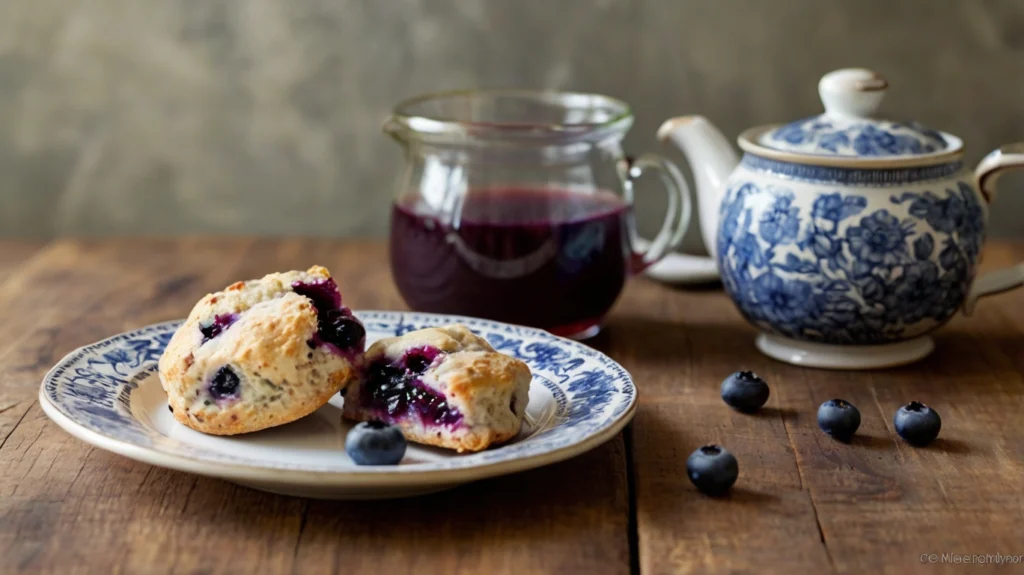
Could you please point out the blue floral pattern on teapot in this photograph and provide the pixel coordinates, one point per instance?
(825, 137)
(848, 266)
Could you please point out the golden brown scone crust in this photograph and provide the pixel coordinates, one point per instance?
(267, 347)
(489, 389)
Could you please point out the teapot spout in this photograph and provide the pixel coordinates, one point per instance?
(712, 158)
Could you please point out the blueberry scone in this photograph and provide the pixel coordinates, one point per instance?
(442, 386)
(261, 353)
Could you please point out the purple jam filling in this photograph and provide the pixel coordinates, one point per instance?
(395, 388)
(323, 293)
(337, 328)
(419, 359)
(220, 323)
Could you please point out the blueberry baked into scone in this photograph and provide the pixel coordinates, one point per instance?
(262, 353)
(442, 386)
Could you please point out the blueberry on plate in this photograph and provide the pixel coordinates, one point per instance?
(745, 391)
(839, 418)
(712, 469)
(375, 443)
(917, 423)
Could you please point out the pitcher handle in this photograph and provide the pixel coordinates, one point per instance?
(1009, 157)
(677, 216)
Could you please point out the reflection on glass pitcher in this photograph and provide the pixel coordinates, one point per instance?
(502, 268)
(579, 249)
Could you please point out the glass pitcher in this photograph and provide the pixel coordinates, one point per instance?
(517, 206)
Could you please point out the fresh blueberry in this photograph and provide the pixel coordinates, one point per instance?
(210, 331)
(917, 423)
(744, 391)
(712, 469)
(340, 329)
(220, 323)
(225, 384)
(839, 418)
(375, 443)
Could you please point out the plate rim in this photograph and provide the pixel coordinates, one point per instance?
(337, 478)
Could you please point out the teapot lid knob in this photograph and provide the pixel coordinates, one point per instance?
(852, 92)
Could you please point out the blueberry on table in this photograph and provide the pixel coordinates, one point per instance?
(917, 423)
(745, 391)
(712, 469)
(839, 418)
(375, 443)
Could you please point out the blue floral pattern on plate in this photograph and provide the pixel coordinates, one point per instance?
(845, 269)
(826, 136)
(93, 385)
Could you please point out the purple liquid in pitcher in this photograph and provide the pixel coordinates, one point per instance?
(544, 257)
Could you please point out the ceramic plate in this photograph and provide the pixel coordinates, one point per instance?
(108, 394)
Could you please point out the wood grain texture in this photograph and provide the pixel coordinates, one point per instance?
(14, 252)
(805, 503)
(68, 508)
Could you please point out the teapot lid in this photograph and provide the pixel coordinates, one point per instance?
(847, 129)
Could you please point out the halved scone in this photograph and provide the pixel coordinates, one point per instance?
(261, 353)
(442, 386)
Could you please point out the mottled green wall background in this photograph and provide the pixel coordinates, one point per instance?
(263, 116)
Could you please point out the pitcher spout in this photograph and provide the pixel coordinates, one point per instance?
(711, 158)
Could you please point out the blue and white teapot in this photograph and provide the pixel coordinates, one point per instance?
(844, 238)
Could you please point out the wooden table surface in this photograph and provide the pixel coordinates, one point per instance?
(803, 503)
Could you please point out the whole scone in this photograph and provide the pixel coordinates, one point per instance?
(442, 386)
(261, 353)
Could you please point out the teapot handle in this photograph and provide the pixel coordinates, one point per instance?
(1009, 157)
